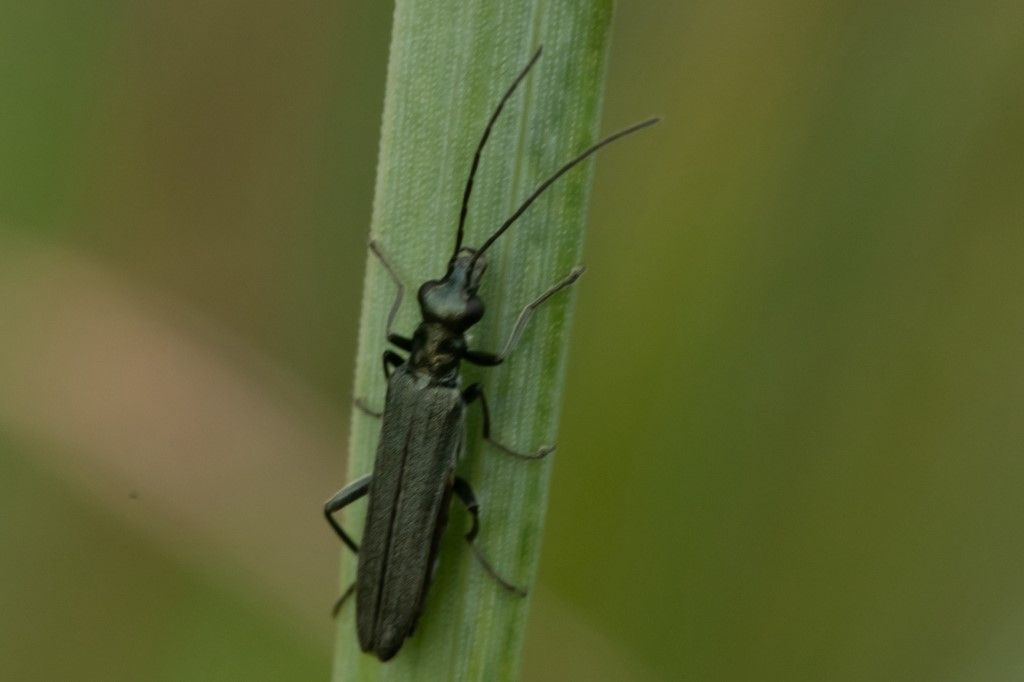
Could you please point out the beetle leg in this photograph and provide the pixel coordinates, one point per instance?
(476, 392)
(341, 600)
(391, 360)
(344, 497)
(486, 359)
(397, 339)
(465, 493)
(375, 248)
(402, 342)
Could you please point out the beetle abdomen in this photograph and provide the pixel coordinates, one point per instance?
(411, 485)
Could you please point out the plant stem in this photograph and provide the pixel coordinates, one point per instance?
(450, 61)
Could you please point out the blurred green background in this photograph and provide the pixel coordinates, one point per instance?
(792, 445)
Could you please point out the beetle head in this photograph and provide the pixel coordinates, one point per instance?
(452, 301)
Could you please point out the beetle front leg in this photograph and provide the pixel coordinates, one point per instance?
(465, 493)
(476, 392)
(341, 499)
(397, 339)
(486, 359)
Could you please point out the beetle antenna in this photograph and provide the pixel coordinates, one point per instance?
(480, 148)
(554, 176)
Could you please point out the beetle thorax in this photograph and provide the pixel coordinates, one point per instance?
(437, 350)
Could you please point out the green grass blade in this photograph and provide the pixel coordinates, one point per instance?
(450, 61)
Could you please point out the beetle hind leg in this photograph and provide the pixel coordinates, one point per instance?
(465, 493)
(485, 359)
(341, 499)
(341, 600)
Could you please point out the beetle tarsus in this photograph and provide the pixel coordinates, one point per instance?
(465, 494)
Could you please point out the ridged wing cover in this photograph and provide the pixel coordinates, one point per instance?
(408, 507)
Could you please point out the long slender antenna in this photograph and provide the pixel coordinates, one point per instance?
(554, 176)
(480, 147)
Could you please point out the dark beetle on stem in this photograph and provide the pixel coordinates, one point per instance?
(422, 430)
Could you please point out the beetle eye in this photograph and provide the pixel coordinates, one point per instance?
(425, 290)
(474, 310)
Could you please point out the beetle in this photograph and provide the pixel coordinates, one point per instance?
(422, 428)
